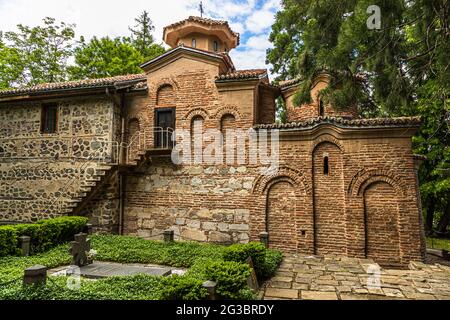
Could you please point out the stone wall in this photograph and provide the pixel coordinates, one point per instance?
(39, 172)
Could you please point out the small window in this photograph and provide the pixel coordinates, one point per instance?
(216, 46)
(321, 108)
(326, 166)
(49, 118)
(194, 43)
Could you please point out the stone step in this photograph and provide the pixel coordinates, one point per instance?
(88, 183)
(74, 200)
(94, 179)
(99, 173)
(85, 188)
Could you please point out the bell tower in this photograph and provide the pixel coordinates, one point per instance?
(201, 33)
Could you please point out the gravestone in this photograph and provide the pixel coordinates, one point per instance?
(24, 243)
(252, 280)
(79, 249)
(35, 275)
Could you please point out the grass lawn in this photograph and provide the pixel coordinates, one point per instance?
(205, 260)
(435, 243)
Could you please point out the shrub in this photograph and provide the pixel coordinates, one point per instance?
(265, 261)
(182, 288)
(8, 241)
(44, 234)
(231, 276)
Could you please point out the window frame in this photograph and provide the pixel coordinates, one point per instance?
(45, 107)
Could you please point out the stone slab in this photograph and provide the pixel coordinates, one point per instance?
(99, 270)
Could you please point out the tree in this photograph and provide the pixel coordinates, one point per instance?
(400, 68)
(105, 57)
(142, 37)
(35, 55)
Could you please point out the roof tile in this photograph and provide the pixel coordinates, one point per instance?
(88, 83)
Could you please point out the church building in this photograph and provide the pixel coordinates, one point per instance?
(103, 148)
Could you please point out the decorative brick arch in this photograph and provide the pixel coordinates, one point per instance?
(195, 112)
(222, 111)
(167, 81)
(293, 176)
(364, 178)
(327, 138)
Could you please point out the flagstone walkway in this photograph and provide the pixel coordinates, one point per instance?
(342, 278)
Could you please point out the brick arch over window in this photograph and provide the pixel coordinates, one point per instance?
(227, 110)
(327, 138)
(263, 182)
(165, 96)
(364, 178)
(194, 113)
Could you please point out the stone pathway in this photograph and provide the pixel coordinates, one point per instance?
(342, 278)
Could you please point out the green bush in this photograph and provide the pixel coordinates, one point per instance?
(231, 276)
(265, 261)
(182, 288)
(44, 234)
(8, 241)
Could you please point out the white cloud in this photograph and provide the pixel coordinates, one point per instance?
(110, 18)
(260, 21)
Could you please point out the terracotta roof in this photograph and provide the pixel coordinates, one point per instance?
(223, 55)
(341, 122)
(288, 83)
(243, 75)
(80, 84)
(207, 21)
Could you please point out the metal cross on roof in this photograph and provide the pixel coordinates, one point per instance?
(201, 9)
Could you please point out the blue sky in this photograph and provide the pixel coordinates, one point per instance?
(251, 18)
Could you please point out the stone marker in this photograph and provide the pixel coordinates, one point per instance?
(211, 287)
(35, 275)
(89, 228)
(168, 235)
(24, 243)
(79, 249)
(264, 238)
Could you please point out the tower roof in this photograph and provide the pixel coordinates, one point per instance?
(219, 28)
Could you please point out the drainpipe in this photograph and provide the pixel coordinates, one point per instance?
(122, 160)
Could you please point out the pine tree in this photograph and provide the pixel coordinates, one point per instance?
(142, 37)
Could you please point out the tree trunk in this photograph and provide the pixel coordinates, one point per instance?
(429, 218)
(445, 220)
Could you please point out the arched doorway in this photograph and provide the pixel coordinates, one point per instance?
(381, 223)
(281, 217)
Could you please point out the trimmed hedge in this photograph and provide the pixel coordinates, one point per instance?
(231, 277)
(44, 234)
(264, 260)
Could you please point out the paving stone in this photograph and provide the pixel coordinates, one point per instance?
(282, 279)
(393, 293)
(282, 293)
(280, 284)
(300, 286)
(318, 295)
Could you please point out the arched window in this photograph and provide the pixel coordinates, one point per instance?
(197, 125)
(216, 46)
(326, 166)
(321, 108)
(165, 96)
(228, 127)
(194, 43)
